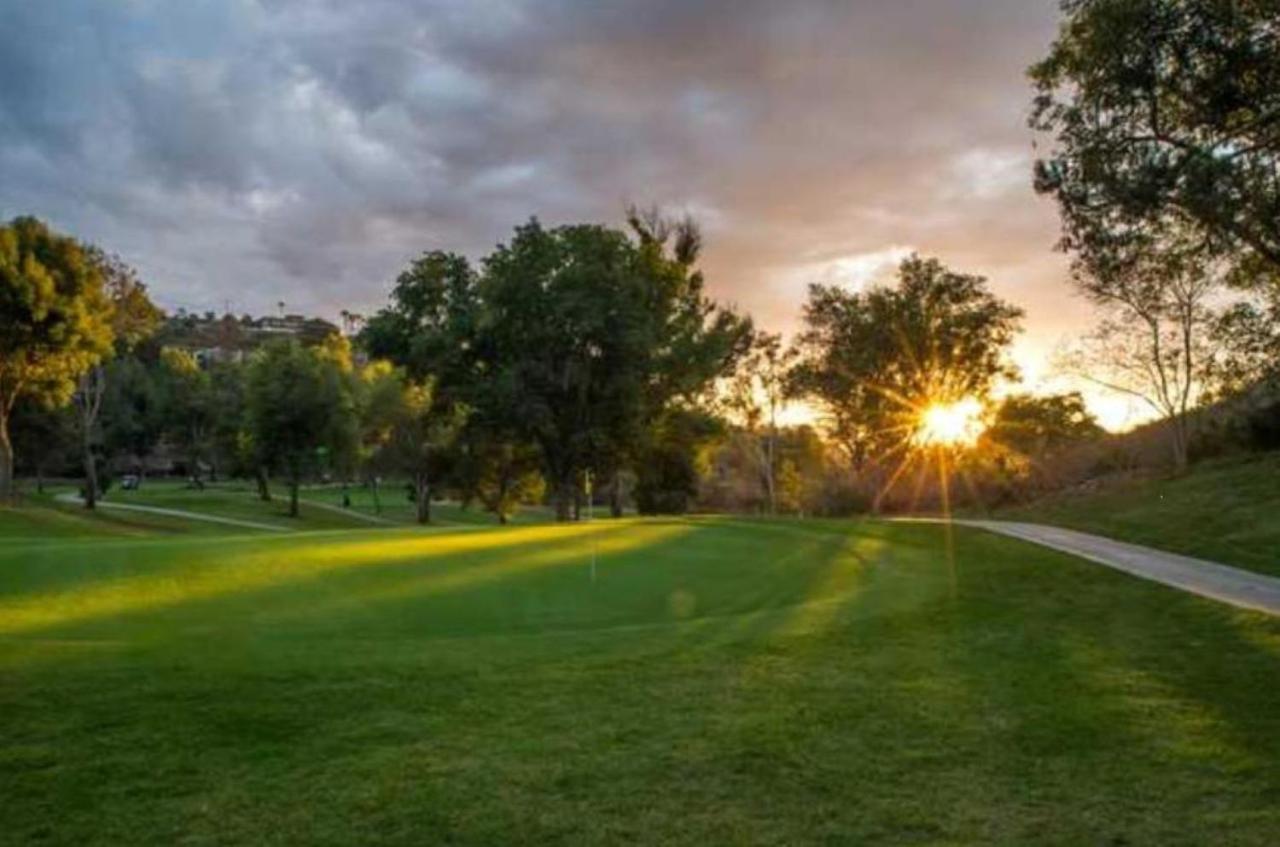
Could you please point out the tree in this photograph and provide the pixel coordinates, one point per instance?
(55, 322)
(132, 418)
(874, 360)
(498, 471)
(189, 411)
(1247, 334)
(1153, 342)
(298, 399)
(1164, 115)
(418, 437)
(229, 440)
(757, 394)
(430, 324)
(133, 317)
(1033, 425)
(572, 340)
(675, 456)
(42, 436)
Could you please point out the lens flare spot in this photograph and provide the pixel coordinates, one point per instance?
(682, 604)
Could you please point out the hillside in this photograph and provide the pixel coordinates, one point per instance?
(1227, 511)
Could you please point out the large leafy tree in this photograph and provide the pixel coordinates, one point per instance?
(1164, 113)
(300, 407)
(133, 318)
(1034, 425)
(564, 338)
(55, 322)
(411, 433)
(133, 420)
(873, 360)
(186, 391)
(43, 437)
(674, 456)
(572, 340)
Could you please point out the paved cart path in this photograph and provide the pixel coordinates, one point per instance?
(1209, 579)
(178, 513)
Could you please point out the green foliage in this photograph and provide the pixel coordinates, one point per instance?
(43, 438)
(430, 321)
(1247, 336)
(230, 437)
(133, 417)
(55, 322)
(873, 359)
(675, 456)
(301, 409)
(500, 474)
(570, 340)
(1163, 115)
(415, 433)
(1033, 425)
(134, 318)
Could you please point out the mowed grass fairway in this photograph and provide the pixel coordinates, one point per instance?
(719, 682)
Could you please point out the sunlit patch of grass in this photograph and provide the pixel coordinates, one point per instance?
(261, 570)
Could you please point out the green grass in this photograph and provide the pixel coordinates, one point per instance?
(42, 519)
(719, 682)
(238, 501)
(45, 517)
(397, 508)
(1226, 511)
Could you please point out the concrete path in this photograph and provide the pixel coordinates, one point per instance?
(177, 513)
(1209, 579)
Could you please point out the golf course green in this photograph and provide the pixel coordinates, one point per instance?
(706, 681)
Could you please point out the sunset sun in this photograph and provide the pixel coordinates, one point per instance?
(957, 424)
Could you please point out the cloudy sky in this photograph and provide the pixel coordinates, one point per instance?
(245, 152)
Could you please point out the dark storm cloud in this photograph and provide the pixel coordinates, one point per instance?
(299, 150)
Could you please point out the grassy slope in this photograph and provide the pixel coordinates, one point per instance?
(396, 507)
(43, 517)
(238, 500)
(719, 682)
(1225, 511)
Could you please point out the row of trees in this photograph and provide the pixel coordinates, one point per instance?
(588, 354)
(569, 355)
(578, 352)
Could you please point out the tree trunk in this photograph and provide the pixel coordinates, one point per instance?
(770, 485)
(1180, 446)
(90, 472)
(264, 489)
(377, 500)
(6, 459)
(39, 477)
(422, 498)
(564, 500)
(615, 495)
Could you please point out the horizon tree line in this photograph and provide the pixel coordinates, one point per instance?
(591, 352)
